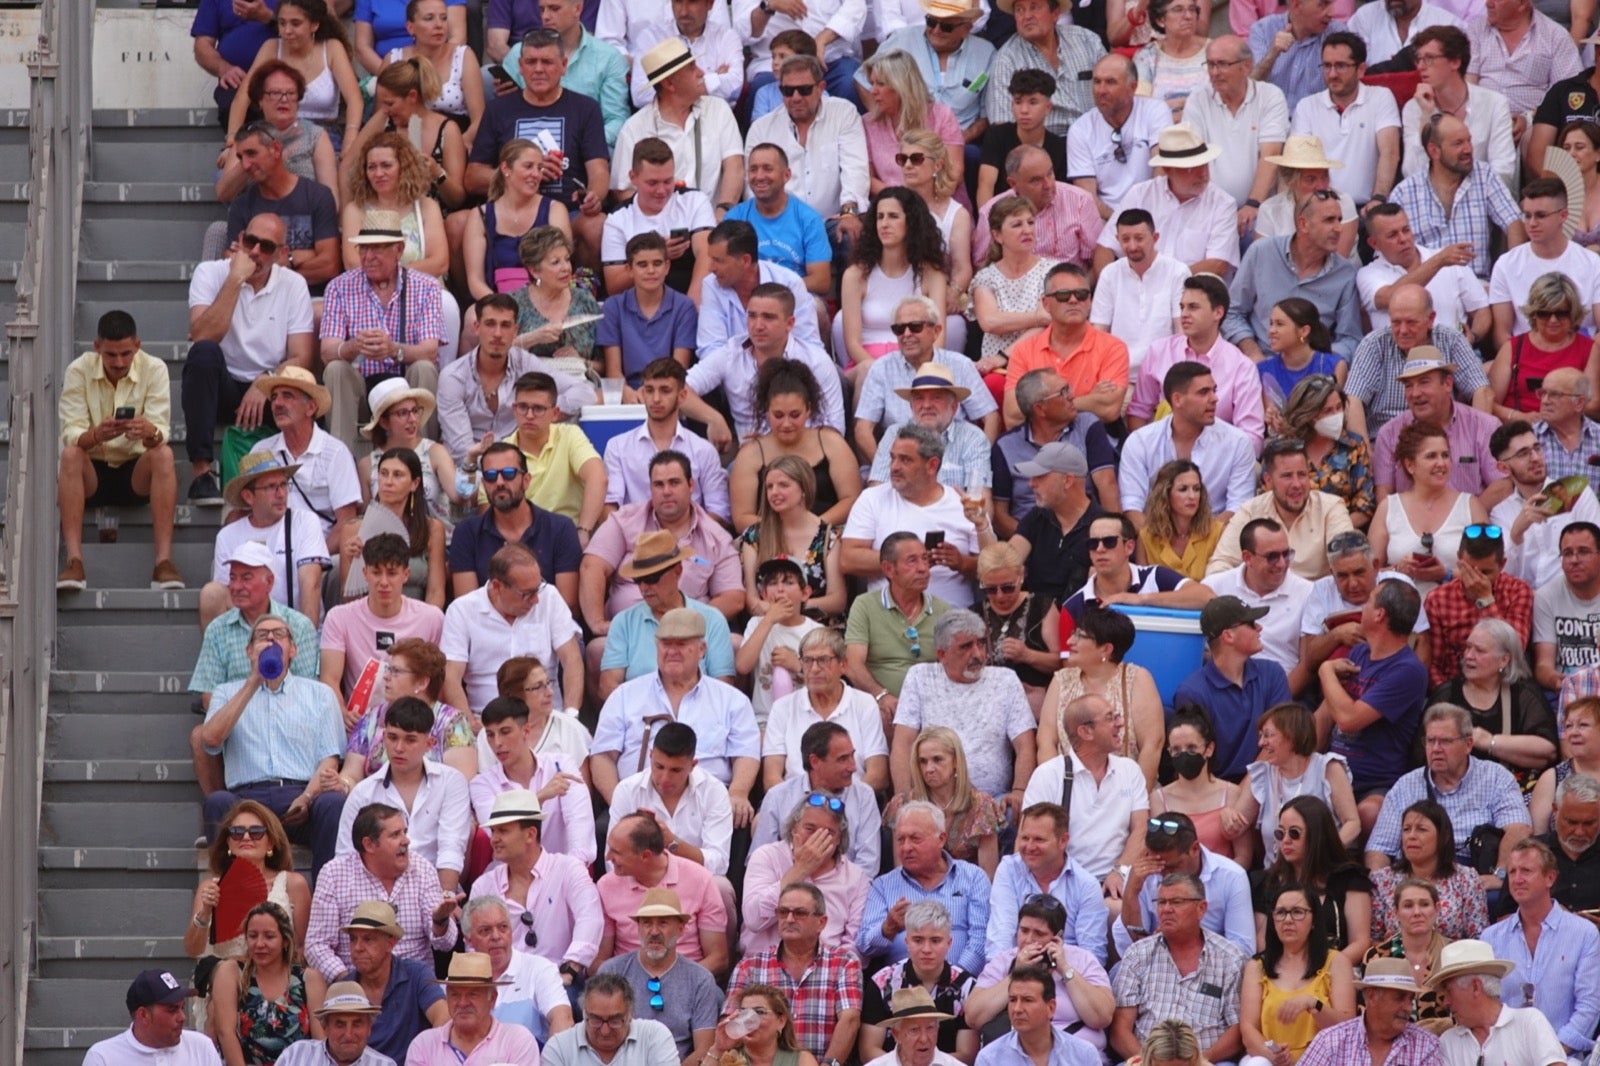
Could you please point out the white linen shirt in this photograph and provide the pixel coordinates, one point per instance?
(1140, 310)
(1226, 457)
(831, 168)
(704, 817)
(723, 721)
(1098, 821)
(1373, 24)
(1262, 118)
(476, 633)
(438, 821)
(1203, 227)
(1350, 136)
(327, 474)
(1456, 290)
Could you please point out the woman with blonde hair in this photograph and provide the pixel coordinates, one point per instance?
(1171, 1043)
(1550, 341)
(787, 526)
(454, 63)
(1179, 531)
(927, 173)
(250, 833)
(899, 103)
(310, 39)
(1580, 738)
(489, 258)
(549, 299)
(260, 1007)
(1024, 629)
(939, 776)
(402, 94)
(773, 1041)
(390, 175)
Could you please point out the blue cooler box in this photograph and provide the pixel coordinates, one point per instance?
(600, 423)
(1169, 645)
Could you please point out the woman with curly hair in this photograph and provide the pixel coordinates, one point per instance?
(972, 819)
(1179, 531)
(1340, 458)
(275, 89)
(899, 103)
(310, 39)
(389, 175)
(261, 1006)
(900, 254)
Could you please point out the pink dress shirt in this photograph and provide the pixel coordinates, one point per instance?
(568, 825)
(844, 888)
(697, 894)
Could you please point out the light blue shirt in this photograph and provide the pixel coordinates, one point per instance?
(1226, 457)
(1065, 1050)
(1228, 909)
(964, 893)
(860, 812)
(878, 403)
(795, 239)
(967, 454)
(720, 715)
(1562, 974)
(631, 644)
(722, 316)
(1077, 890)
(279, 734)
(960, 85)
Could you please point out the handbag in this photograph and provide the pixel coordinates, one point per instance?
(1483, 843)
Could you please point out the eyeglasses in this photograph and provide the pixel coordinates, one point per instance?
(1292, 914)
(1553, 314)
(537, 410)
(239, 832)
(602, 1022)
(1177, 901)
(1118, 151)
(914, 158)
(900, 329)
(537, 687)
(1478, 531)
(280, 94)
(1004, 589)
(1348, 542)
(509, 473)
(391, 668)
(1444, 742)
(809, 662)
(526, 595)
(1224, 64)
(1429, 59)
(267, 246)
(798, 90)
(275, 633)
(1539, 216)
(1324, 194)
(1278, 558)
(1520, 454)
(409, 411)
(530, 938)
(269, 486)
(1335, 66)
(793, 912)
(914, 639)
(1104, 543)
(833, 803)
(657, 1000)
(941, 25)
(1291, 833)
(1062, 296)
(1163, 826)
(651, 579)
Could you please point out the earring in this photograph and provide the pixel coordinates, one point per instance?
(272, 853)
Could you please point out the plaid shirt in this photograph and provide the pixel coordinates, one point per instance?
(345, 882)
(1076, 49)
(1451, 616)
(1560, 463)
(1378, 359)
(1347, 1042)
(1207, 999)
(830, 985)
(223, 656)
(1576, 686)
(350, 306)
(1486, 793)
(1481, 198)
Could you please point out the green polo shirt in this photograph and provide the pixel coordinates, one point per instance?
(894, 642)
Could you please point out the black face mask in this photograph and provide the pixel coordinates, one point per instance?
(1188, 764)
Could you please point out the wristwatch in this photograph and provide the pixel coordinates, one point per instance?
(1069, 974)
(1484, 603)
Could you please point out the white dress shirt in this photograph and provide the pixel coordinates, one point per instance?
(438, 820)
(1137, 309)
(723, 721)
(1280, 627)
(1373, 24)
(734, 367)
(831, 168)
(699, 147)
(1203, 227)
(718, 51)
(704, 817)
(1225, 455)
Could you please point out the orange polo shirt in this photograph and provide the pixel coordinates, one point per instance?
(1101, 357)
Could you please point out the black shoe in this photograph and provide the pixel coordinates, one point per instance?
(206, 490)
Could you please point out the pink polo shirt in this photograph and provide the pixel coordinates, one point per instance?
(697, 894)
(505, 1043)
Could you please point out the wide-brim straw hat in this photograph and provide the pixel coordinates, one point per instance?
(934, 376)
(251, 467)
(391, 391)
(654, 552)
(297, 377)
(1461, 957)
(1304, 152)
(472, 969)
(1180, 146)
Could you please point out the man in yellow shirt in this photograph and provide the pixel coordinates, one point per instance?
(115, 416)
(565, 473)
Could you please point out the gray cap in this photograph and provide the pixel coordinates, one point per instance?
(1057, 457)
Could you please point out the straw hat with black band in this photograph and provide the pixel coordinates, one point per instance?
(1180, 147)
(665, 60)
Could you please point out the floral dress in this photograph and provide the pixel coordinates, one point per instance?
(1346, 472)
(983, 819)
(451, 729)
(268, 1026)
(1463, 910)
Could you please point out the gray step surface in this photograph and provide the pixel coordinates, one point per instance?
(160, 734)
(158, 825)
(127, 647)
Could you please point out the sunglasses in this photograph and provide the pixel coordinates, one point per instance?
(1278, 558)
(1163, 826)
(1104, 543)
(1478, 531)
(941, 25)
(1004, 589)
(1118, 151)
(657, 1000)
(268, 247)
(914, 158)
(1554, 313)
(914, 639)
(530, 939)
(900, 329)
(509, 473)
(833, 803)
(1046, 901)
(239, 832)
(797, 90)
(1281, 833)
(1063, 296)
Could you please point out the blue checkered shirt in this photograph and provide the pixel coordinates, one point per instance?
(1378, 359)
(1488, 793)
(1560, 463)
(280, 734)
(966, 454)
(1481, 198)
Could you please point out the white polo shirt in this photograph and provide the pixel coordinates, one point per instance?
(1204, 227)
(262, 321)
(1098, 821)
(698, 148)
(1280, 628)
(792, 715)
(476, 633)
(688, 209)
(1091, 152)
(1351, 136)
(1139, 310)
(1263, 117)
(1456, 290)
(704, 818)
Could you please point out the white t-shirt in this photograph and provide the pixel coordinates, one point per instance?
(1280, 627)
(1324, 600)
(1516, 270)
(792, 715)
(689, 209)
(1456, 290)
(880, 511)
(308, 547)
(1091, 152)
(1138, 310)
(1537, 560)
(262, 321)
(761, 696)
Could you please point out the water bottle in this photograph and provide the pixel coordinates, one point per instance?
(270, 663)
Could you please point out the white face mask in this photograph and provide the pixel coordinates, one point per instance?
(1330, 426)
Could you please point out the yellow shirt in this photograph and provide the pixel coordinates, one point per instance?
(1192, 563)
(553, 474)
(88, 398)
